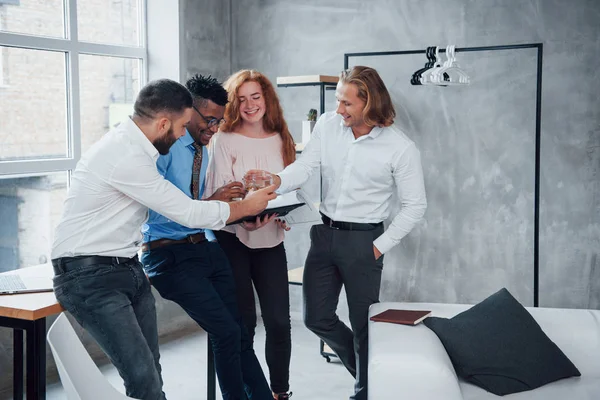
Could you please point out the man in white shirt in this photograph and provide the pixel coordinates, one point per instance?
(98, 277)
(364, 161)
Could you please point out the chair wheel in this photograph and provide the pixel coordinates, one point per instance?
(328, 359)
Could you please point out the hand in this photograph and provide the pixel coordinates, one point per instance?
(282, 224)
(253, 204)
(228, 192)
(376, 252)
(256, 201)
(252, 226)
(276, 179)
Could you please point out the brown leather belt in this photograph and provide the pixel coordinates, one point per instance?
(155, 244)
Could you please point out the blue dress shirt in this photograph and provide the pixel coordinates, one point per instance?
(176, 167)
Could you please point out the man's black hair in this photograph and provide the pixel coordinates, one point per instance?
(162, 95)
(207, 88)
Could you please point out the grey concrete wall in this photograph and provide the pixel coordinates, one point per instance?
(477, 142)
(206, 42)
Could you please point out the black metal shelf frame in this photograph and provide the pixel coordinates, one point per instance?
(323, 86)
(538, 119)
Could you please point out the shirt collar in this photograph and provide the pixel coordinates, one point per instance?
(376, 131)
(187, 139)
(139, 137)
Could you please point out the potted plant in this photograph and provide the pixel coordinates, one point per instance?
(308, 125)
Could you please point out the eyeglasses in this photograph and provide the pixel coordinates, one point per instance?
(209, 122)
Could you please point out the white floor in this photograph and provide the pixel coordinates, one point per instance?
(183, 361)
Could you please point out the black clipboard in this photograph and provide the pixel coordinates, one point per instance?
(281, 211)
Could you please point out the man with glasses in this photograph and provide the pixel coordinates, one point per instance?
(186, 267)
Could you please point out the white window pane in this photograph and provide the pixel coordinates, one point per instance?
(109, 86)
(30, 209)
(109, 21)
(33, 100)
(34, 17)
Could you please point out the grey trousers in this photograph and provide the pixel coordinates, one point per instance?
(339, 257)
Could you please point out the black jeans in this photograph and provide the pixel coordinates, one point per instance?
(267, 269)
(199, 279)
(342, 258)
(113, 302)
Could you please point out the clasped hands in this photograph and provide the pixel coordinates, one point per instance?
(235, 191)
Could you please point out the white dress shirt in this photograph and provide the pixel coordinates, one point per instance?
(360, 176)
(112, 187)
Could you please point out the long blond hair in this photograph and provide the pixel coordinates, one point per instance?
(273, 120)
(379, 110)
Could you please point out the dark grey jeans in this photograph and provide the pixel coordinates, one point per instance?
(339, 257)
(115, 305)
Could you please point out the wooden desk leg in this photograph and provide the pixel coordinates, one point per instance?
(18, 364)
(36, 360)
(211, 387)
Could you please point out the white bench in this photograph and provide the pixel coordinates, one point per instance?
(410, 361)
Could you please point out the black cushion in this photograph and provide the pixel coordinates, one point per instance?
(498, 346)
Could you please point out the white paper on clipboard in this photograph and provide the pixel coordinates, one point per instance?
(309, 213)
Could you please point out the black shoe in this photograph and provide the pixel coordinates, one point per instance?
(284, 396)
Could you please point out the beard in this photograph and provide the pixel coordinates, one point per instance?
(164, 143)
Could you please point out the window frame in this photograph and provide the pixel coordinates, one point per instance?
(72, 49)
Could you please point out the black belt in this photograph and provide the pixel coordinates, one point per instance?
(66, 264)
(349, 226)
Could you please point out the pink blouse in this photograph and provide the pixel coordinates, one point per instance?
(231, 155)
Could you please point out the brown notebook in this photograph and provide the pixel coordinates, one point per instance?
(404, 317)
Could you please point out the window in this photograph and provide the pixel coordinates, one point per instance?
(2, 63)
(119, 17)
(2, 52)
(30, 209)
(34, 17)
(69, 71)
(34, 105)
(113, 91)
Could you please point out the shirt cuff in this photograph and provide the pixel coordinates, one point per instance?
(384, 243)
(283, 187)
(224, 213)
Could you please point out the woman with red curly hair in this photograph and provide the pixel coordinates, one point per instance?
(255, 136)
